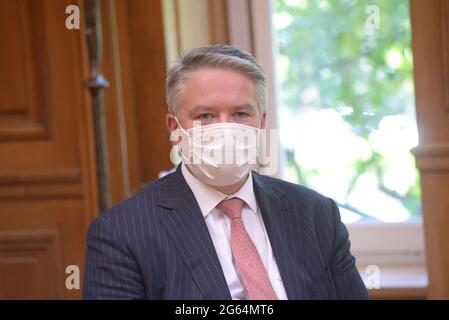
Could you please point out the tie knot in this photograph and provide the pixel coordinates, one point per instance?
(232, 207)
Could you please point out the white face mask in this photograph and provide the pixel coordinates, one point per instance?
(220, 154)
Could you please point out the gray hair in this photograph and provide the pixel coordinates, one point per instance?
(214, 56)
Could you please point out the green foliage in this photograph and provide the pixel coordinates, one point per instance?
(326, 48)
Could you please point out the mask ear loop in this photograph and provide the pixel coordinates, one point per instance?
(180, 127)
(187, 135)
(176, 152)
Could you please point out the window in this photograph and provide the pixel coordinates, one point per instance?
(344, 103)
(346, 106)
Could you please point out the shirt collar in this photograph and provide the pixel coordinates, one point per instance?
(208, 197)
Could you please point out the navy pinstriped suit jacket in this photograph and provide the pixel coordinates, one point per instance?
(156, 245)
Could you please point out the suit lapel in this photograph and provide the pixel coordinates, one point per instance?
(185, 225)
(286, 238)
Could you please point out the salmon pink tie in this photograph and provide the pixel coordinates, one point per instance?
(249, 264)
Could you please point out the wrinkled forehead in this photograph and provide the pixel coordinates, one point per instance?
(211, 88)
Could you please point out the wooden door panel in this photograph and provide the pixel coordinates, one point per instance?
(44, 150)
(24, 98)
(33, 257)
(48, 190)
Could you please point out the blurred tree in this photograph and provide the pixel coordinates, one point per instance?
(332, 49)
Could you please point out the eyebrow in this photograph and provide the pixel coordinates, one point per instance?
(245, 107)
(200, 109)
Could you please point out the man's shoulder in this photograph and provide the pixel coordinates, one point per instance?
(292, 190)
(304, 203)
(143, 201)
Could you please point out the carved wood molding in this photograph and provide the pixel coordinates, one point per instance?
(41, 247)
(433, 157)
(29, 116)
(41, 184)
(29, 239)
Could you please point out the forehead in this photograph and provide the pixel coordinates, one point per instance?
(209, 77)
(211, 85)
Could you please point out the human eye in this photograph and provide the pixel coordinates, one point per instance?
(204, 116)
(241, 115)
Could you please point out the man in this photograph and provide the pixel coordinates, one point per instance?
(215, 229)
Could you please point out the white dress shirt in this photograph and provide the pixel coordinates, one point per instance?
(219, 226)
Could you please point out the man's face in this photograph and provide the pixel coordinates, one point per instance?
(217, 95)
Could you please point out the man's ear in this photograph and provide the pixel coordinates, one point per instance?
(171, 123)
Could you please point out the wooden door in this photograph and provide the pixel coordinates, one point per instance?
(48, 188)
(46, 185)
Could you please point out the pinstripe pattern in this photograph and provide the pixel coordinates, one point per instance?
(156, 245)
